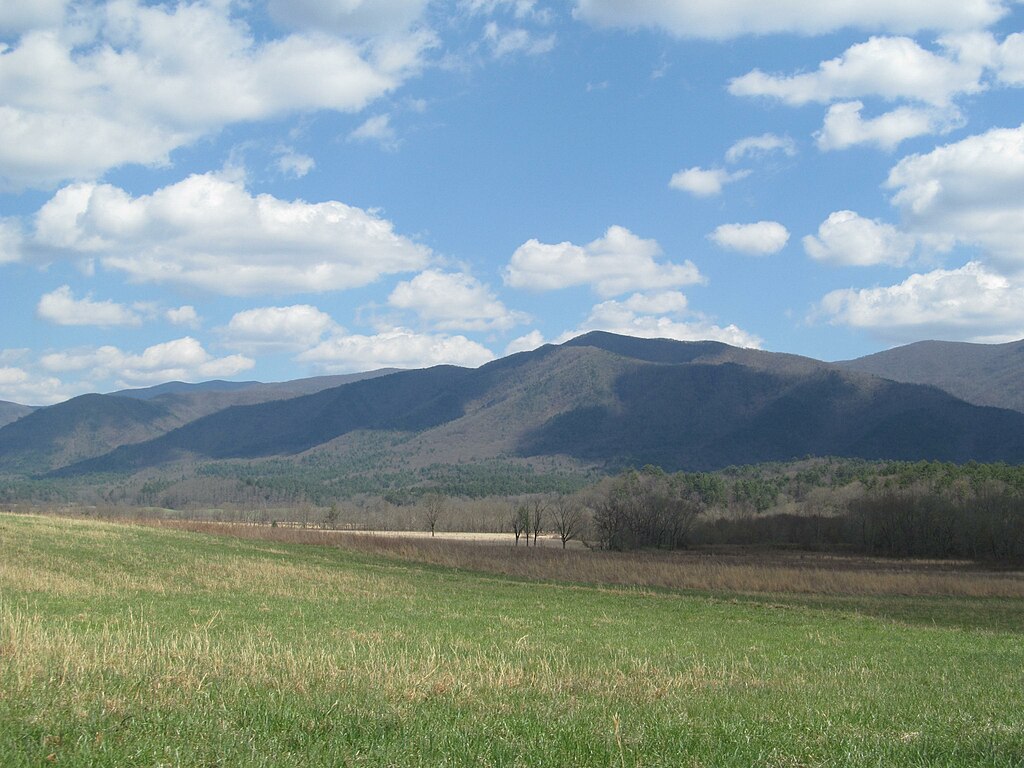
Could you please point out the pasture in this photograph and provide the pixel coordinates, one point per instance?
(138, 645)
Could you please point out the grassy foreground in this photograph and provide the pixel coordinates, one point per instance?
(124, 645)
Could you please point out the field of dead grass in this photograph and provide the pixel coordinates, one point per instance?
(144, 645)
(736, 570)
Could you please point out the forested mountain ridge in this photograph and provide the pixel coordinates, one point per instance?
(982, 374)
(11, 412)
(39, 440)
(605, 401)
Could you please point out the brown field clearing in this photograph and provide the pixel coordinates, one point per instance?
(717, 570)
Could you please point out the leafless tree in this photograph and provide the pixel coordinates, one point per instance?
(433, 508)
(538, 508)
(569, 518)
(519, 522)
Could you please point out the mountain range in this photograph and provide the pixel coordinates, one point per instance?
(983, 374)
(599, 401)
(10, 412)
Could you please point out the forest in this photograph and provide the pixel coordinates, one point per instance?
(887, 508)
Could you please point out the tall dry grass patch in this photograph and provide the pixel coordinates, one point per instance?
(750, 571)
(173, 667)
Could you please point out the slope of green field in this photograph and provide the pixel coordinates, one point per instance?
(124, 645)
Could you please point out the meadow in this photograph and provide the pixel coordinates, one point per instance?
(141, 645)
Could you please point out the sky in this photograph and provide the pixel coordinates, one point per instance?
(274, 189)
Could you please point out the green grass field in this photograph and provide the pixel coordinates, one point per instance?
(125, 645)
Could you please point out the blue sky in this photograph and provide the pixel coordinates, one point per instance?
(274, 189)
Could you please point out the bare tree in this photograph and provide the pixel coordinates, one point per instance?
(433, 507)
(538, 508)
(569, 518)
(519, 522)
(330, 518)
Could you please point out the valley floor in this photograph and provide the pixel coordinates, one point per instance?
(141, 645)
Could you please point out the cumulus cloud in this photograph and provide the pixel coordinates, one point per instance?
(278, 329)
(704, 182)
(1010, 60)
(969, 192)
(887, 67)
(971, 303)
(129, 83)
(504, 42)
(60, 307)
(19, 386)
(209, 232)
(377, 128)
(294, 164)
(454, 301)
(521, 9)
(761, 238)
(656, 303)
(722, 19)
(627, 318)
(183, 315)
(11, 240)
(525, 343)
(396, 348)
(348, 17)
(844, 127)
(614, 264)
(847, 239)
(760, 146)
(20, 15)
(182, 359)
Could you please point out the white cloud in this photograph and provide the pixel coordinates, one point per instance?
(521, 9)
(60, 307)
(623, 317)
(761, 238)
(887, 67)
(969, 192)
(183, 315)
(971, 303)
(11, 240)
(525, 343)
(182, 359)
(15, 355)
(848, 239)
(349, 17)
(760, 146)
(19, 386)
(20, 15)
(656, 303)
(278, 329)
(504, 42)
(1010, 58)
(704, 182)
(397, 348)
(454, 301)
(208, 231)
(721, 19)
(614, 264)
(844, 127)
(101, 361)
(294, 164)
(377, 128)
(129, 83)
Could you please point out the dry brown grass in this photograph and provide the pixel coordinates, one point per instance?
(733, 571)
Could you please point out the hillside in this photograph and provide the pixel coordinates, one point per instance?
(982, 374)
(93, 425)
(78, 429)
(247, 392)
(606, 401)
(127, 645)
(10, 412)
